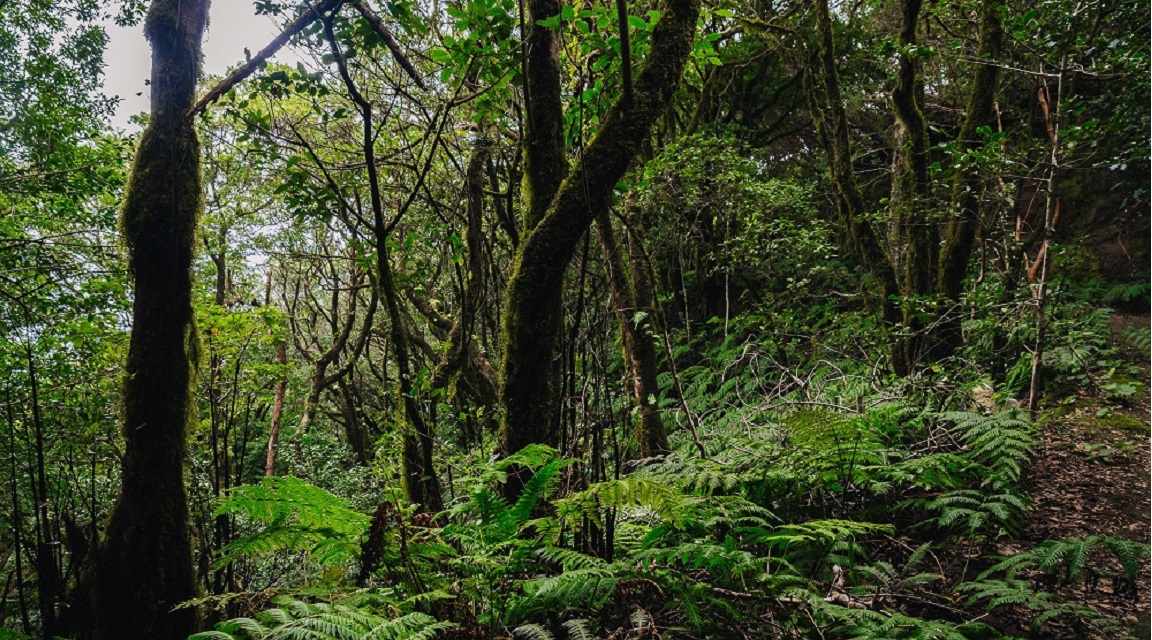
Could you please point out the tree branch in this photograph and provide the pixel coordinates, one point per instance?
(381, 30)
(239, 75)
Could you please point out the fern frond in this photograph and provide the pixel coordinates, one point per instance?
(578, 629)
(532, 632)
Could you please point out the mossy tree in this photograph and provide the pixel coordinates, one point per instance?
(421, 485)
(930, 260)
(144, 569)
(531, 319)
(631, 297)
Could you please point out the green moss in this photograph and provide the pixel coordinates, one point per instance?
(133, 599)
(531, 318)
(1124, 424)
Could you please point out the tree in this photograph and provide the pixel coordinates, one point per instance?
(531, 317)
(133, 598)
(915, 269)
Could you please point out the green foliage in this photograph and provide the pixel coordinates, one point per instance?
(294, 516)
(294, 619)
(995, 450)
(1002, 443)
(806, 482)
(1044, 607)
(865, 624)
(1069, 559)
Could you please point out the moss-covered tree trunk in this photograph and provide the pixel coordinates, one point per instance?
(960, 232)
(531, 319)
(639, 353)
(545, 159)
(822, 80)
(926, 269)
(460, 343)
(145, 566)
(911, 193)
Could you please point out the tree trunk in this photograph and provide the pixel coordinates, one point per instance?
(545, 160)
(145, 567)
(639, 354)
(827, 108)
(531, 318)
(281, 390)
(911, 191)
(960, 234)
(277, 411)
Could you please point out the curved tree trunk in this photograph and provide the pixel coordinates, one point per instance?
(927, 268)
(960, 234)
(911, 192)
(826, 105)
(145, 567)
(531, 318)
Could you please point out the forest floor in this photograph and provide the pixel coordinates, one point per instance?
(1091, 476)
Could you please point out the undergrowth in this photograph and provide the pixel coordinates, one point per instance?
(805, 523)
(832, 504)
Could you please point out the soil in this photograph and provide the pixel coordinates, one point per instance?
(1091, 476)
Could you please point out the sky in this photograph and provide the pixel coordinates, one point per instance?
(233, 25)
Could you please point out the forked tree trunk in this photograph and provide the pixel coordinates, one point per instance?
(639, 354)
(531, 319)
(145, 567)
(927, 270)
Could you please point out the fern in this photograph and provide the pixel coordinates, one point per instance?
(588, 588)
(1069, 558)
(864, 624)
(578, 629)
(884, 575)
(1012, 592)
(294, 619)
(1002, 442)
(295, 516)
(532, 632)
(974, 511)
(1132, 556)
(570, 560)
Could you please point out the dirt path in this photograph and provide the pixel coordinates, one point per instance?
(1091, 476)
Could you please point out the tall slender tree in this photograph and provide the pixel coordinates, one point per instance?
(145, 567)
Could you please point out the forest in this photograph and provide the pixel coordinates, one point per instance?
(529, 320)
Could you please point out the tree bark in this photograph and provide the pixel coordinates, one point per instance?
(960, 233)
(277, 411)
(531, 318)
(828, 114)
(911, 191)
(545, 160)
(639, 354)
(145, 567)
